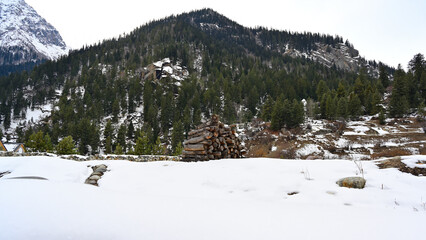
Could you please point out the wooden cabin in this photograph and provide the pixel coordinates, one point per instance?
(12, 147)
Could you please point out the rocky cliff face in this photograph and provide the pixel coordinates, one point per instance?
(25, 36)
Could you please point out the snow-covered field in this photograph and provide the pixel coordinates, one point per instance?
(224, 199)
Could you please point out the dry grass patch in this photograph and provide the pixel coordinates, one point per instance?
(394, 152)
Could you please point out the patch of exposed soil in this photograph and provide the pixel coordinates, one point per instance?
(397, 163)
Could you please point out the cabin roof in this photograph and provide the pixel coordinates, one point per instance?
(10, 147)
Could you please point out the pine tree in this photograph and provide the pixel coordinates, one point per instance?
(423, 85)
(417, 65)
(341, 90)
(277, 114)
(166, 117)
(109, 130)
(66, 146)
(330, 106)
(342, 108)
(48, 143)
(286, 114)
(382, 118)
(252, 100)
(118, 149)
(142, 146)
(421, 110)
(88, 135)
(115, 110)
(196, 106)
(177, 135)
(267, 109)
(354, 106)
(321, 89)
(157, 147)
(368, 102)
(108, 145)
(130, 131)
(359, 89)
(296, 115)
(147, 99)
(178, 150)
(383, 76)
(121, 137)
(375, 104)
(323, 106)
(311, 105)
(229, 113)
(398, 105)
(36, 142)
(186, 119)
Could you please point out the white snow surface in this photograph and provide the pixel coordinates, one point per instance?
(33, 115)
(415, 162)
(308, 149)
(224, 199)
(357, 130)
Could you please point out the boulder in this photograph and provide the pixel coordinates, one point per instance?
(94, 177)
(98, 173)
(93, 182)
(100, 168)
(352, 182)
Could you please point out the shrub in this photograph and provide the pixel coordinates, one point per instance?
(66, 146)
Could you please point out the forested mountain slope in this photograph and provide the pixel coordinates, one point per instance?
(175, 72)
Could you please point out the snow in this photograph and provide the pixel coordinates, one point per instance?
(308, 149)
(380, 131)
(357, 130)
(342, 143)
(413, 162)
(274, 148)
(225, 199)
(33, 115)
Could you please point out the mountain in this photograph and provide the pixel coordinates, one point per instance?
(26, 37)
(169, 75)
(325, 49)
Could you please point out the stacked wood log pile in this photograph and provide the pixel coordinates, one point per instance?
(212, 140)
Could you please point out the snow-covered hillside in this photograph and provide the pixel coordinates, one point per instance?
(27, 35)
(363, 139)
(227, 199)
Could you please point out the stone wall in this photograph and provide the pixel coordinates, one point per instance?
(133, 158)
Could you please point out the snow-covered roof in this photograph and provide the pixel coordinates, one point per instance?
(158, 64)
(168, 69)
(11, 147)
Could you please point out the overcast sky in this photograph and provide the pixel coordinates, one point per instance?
(391, 31)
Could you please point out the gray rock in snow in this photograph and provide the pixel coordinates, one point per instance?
(352, 182)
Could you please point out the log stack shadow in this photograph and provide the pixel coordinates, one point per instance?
(212, 140)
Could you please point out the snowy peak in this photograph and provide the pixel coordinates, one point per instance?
(25, 36)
